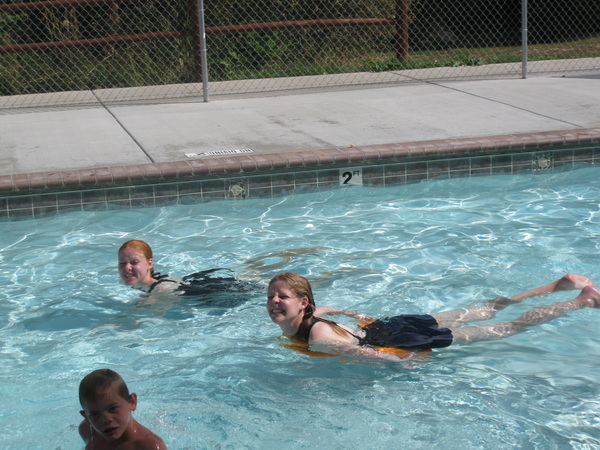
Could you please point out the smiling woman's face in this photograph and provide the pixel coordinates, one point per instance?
(134, 269)
(285, 308)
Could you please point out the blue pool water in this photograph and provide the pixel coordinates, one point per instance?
(218, 378)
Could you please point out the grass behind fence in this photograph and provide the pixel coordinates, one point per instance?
(253, 55)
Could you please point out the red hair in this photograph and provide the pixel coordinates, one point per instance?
(139, 246)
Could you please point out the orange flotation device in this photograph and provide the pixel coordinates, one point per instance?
(304, 347)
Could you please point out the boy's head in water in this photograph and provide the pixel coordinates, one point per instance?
(107, 409)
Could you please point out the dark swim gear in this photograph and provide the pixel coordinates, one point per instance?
(407, 331)
(215, 280)
(212, 287)
(303, 332)
(159, 280)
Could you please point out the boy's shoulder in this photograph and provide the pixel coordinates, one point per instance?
(85, 431)
(145, 440)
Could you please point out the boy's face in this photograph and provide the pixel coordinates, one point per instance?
(110, 414)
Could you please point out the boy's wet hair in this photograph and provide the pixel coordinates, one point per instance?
(99, 381)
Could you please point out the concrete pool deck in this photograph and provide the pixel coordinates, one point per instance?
(55, 148)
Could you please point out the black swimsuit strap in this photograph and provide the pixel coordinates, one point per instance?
(159, 279)
(308, 328)
(306, 333)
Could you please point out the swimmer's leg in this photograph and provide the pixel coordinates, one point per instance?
(258, 264)
(487, 310)
(326, 278)
(483, 311)
(588, 298)
(567, 283)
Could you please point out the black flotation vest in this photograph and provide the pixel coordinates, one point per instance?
(213, 287)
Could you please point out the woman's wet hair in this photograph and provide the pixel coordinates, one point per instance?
(300, 286)
(139, 246)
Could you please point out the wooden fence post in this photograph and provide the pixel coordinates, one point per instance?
(196, 38)
(401, 22)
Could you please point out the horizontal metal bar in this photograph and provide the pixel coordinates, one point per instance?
(33, 6)
(270, 26)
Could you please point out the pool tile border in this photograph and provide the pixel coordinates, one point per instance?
(39, 194)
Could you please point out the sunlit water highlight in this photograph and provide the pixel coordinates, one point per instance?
(218, 378)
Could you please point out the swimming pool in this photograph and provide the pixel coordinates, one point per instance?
(218, 378)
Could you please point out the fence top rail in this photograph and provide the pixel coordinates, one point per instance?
(30, 6)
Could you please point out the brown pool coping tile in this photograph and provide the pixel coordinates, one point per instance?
(135, 172)
(183, 168)
(37, 180)
(326, 157)
(263, 162)
(120, 174)
(86, 177)
(81, 179)
(168, 170)
(358, 154)
(199, 167)
(69, 178)
(247, 164)
(291, 160)
(231, 166)
(20, 181)
(7, 184)
(103, 175)
(53, 179)
(309, 158)
(151, 172)
(223, 166)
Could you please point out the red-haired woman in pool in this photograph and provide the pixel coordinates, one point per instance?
(213, 287)
(136, 269)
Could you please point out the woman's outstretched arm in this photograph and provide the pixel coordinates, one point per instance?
(321, 311)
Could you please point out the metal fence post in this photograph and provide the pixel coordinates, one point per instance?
(199, 43)
(524, 37)
(203, 58)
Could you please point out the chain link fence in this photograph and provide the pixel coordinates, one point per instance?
(85, 51)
